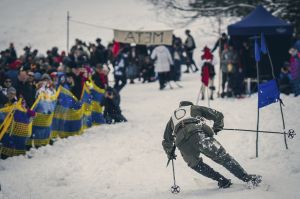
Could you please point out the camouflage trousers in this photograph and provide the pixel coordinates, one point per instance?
(200, 144)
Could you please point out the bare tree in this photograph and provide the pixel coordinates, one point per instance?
(187, 11)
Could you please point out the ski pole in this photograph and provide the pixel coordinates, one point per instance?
(175, 188)
(198, 97)
(172, 153)
(291, 133)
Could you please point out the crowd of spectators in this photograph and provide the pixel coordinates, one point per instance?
(239, 63)
(27, 75)
(31, 73)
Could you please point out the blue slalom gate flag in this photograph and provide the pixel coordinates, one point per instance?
(268, 93)
(263, 46)
(257, 51)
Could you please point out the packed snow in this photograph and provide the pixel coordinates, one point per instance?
(127, 161)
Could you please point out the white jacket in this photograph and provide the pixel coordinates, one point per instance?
(163, 59)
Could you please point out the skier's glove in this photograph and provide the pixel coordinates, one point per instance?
(172, 156)
(216, 130)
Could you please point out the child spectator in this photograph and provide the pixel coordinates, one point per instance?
(285, 79)
(112, 110)
(207, 72)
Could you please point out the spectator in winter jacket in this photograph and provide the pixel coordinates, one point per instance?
(285, 79)
(6, 85)
(295, 70)
(12, 71)
(100, 77)
(147, 70)
(24, 89)
(132, 70)
(207, 73)
(177, 55)
(77, 75)
(229, 61)
(120, 66)
(112, 110)
(12, 52)
(115, 48)
(190, 46)
(3, 99)
(3, 91)
(45, 86)
(221, 43)
(11, 96)
(162, 64)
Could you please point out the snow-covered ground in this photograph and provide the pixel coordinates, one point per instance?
(126, 161)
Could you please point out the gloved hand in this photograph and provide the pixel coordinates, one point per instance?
(31, 113)
(172, 156)
(216, 130)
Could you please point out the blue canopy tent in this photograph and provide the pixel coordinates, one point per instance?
(278, 35)
(260, 21)
(278, 40)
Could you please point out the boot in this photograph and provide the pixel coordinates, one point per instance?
(224, 183)
(232, 165)
(252, 180)
(209, 172)
(196, 69)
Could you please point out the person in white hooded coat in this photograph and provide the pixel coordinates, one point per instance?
(162, 64)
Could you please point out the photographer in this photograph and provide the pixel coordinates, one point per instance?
(112, 110)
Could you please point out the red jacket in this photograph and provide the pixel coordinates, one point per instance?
(207, 55)
(205, 75)
(116, 48)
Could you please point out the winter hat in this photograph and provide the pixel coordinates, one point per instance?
(45, 76)
(185, 103)
(37, 76)
(53, 74)
(98, 40)
(187, 31)
(11, 90)
(297, 45)
(15, 65)
(205, 49)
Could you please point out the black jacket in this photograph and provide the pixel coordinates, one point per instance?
(112, 106)
(26, 91)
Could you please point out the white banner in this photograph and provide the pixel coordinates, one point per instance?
(144, 37)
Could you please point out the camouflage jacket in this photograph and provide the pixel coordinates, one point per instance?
(187, 120)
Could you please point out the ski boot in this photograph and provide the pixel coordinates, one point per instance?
(253, 181)
(224, 183)
(209, 172)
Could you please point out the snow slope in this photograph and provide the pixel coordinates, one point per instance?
(126, 161)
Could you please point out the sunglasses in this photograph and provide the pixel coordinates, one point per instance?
(7, 81)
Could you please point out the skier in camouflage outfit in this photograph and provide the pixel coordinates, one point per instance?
(188, 131)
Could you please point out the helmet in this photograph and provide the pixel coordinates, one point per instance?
(185, 103)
